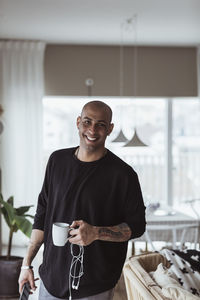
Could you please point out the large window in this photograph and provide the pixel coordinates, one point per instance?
(149, 117)
(186, 149)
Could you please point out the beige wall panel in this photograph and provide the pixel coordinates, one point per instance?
(167, 71)
(67, 67)
(161, 71)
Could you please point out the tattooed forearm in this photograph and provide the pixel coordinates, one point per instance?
(118, 233)
(35, 243)
(33, 249)
(104, 231)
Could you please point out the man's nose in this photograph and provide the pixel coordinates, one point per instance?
(92, 129)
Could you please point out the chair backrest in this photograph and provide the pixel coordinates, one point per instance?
(177, 232)
(195, 209)
(139, 284)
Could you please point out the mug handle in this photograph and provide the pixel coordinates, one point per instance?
(68, 233)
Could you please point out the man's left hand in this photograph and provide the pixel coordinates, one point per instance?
(82, 233)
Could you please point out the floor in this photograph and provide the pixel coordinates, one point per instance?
(120, 291)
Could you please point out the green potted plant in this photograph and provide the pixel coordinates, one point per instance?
(16, 219)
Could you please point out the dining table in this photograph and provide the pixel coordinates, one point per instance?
(165, 224)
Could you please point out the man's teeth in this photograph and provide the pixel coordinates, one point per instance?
(91, 139)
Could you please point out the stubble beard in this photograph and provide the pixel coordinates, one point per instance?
(91, 149)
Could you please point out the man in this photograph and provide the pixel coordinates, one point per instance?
(99, 194)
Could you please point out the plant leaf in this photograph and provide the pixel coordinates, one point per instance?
(21, 210)
(30, 216)
(24, 225)
(4, 212)
(11, 201)
(9, 210)
(1, 198)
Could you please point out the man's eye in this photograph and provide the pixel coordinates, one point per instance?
(86, 122)
(101, 125)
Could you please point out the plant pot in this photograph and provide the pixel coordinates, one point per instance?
(9, 274)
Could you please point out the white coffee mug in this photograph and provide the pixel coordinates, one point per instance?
(60, 233)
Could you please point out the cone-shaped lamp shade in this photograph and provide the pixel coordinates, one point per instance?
(135, 141)
(120, 138)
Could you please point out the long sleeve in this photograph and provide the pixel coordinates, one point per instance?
(134, 208)
(42, 200)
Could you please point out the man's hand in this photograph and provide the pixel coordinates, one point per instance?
(36, 240)
(27, 276)
(83, 234)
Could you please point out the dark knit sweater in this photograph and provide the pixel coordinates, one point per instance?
(102, 193)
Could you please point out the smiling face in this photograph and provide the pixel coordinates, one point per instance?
(94, 126)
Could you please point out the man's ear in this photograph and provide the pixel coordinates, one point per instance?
(78, 121)
(110, 128)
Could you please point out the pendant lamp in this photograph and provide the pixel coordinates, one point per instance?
(131, 24)
(120, 138)
(89, 82)
(135, 141)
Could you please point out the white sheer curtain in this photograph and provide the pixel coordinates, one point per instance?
(22, 89)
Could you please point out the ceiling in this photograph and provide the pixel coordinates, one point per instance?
(159, 22)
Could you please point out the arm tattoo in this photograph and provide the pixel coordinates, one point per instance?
(32, 250)
(119, 233)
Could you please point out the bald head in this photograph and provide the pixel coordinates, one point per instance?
(99, 105)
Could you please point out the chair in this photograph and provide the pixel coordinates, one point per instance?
(192, 203)
(139, 284)
(177, 232)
